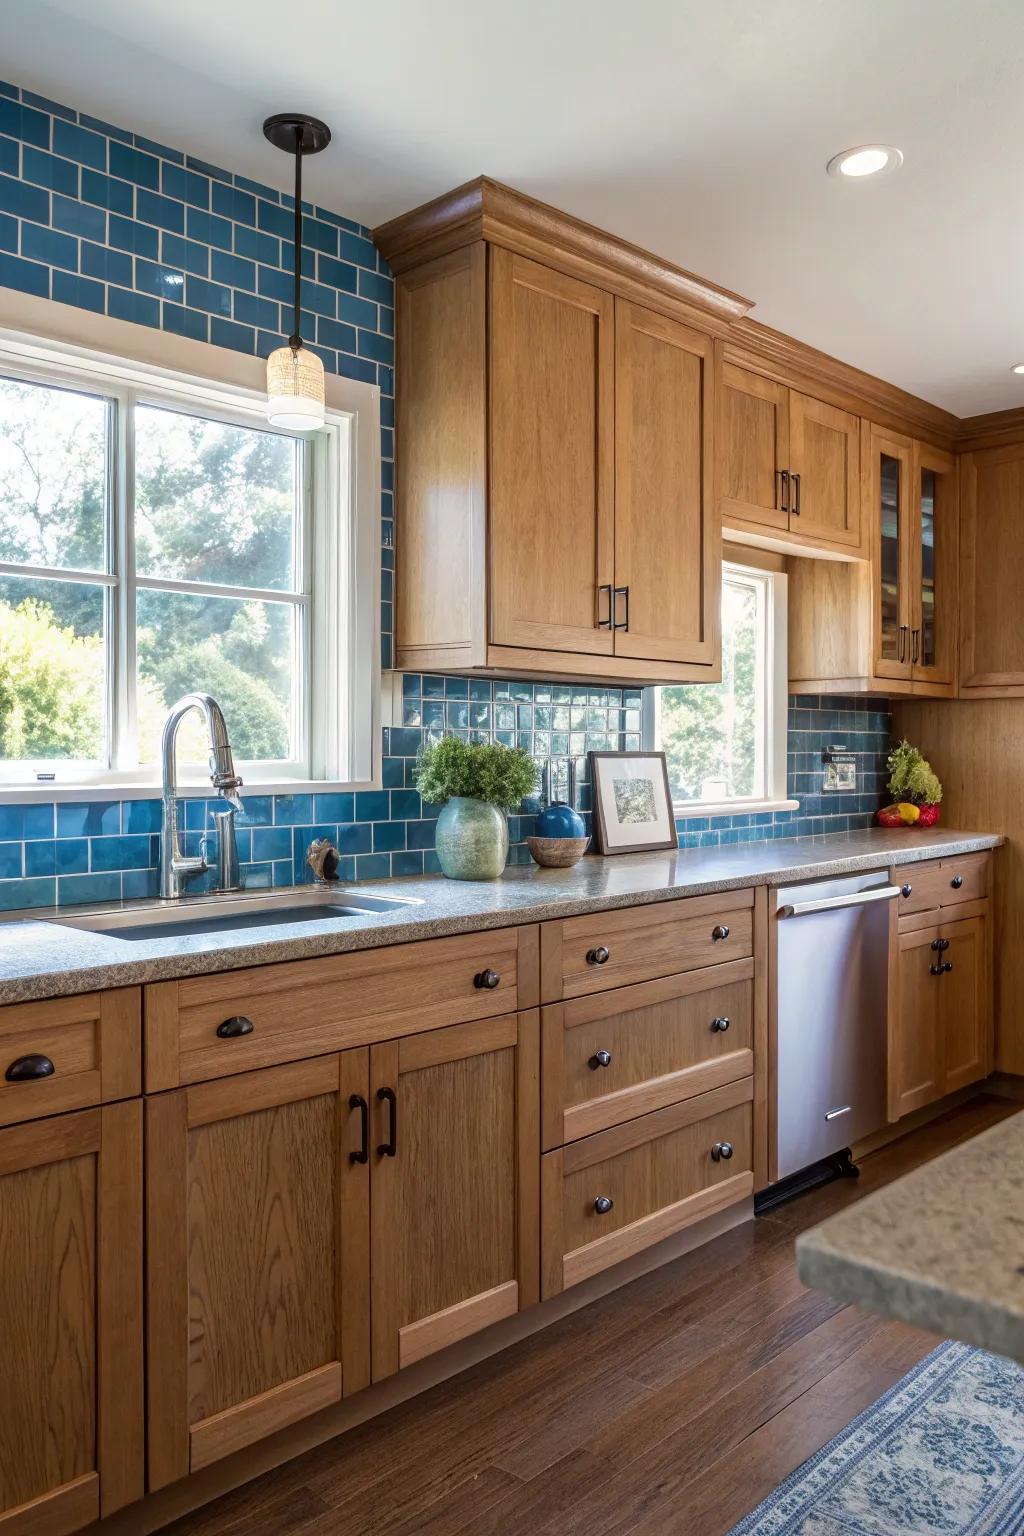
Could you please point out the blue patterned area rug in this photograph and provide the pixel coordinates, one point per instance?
(941, 1454)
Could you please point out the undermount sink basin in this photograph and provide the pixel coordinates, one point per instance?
(229, 914)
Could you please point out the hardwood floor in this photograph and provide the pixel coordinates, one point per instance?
(669, 1408)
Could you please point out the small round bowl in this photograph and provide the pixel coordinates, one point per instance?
(557, 852)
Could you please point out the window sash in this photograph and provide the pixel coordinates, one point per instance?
(122, 582)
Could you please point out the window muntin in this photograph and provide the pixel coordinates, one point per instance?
(725, 742)
(116, 549)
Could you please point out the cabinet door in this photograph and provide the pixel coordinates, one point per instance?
(992, 571)
(753, 448)
(455, 1185)
(933, 562)
(966, 1002)
(888, 477)
(71, 1426)
(257, 1256)
(824, 454)
(551, 470)
(916, 1050)
(667, 542)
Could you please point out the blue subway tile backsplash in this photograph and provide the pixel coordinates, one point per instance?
(97, 217)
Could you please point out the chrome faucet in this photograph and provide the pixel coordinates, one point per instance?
(175, 868)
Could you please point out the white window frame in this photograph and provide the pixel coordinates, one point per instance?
(770, 742)
(338, 564)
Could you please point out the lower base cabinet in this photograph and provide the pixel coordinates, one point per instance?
(940, 1010)
(315, 1225)
(71, 1370)
(611, 1195)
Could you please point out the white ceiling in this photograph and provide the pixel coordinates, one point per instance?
(700, 131)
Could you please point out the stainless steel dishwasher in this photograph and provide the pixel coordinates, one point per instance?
(833, 960)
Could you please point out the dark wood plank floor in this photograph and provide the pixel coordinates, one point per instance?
(669, 1408)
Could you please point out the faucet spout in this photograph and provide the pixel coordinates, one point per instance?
(175, 867)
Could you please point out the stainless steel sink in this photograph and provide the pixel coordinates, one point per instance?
(230, 914)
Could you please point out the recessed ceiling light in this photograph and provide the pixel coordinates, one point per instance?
(865, 160)
(1017, 368)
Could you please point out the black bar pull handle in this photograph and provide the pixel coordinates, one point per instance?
(622, 592)
(606, 587)
(390, 1147)
(29, 1069)
(363, 1155)
(783, 475)
(796, 495)
(234, 1028)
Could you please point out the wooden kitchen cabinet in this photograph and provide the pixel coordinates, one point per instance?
(940, 1008)
(454, 1199)
(992, 573)
(789, 467)
(887, 625)
(257, 1204)
(71, 1430)
(556, 503)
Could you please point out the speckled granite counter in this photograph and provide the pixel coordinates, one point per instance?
(941, 1248)
(39, 958)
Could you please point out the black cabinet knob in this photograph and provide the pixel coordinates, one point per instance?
(719, 931)
(721, 1151)
(603, 1204)
(905, 890)
(598, 956)
(719, 1026)
(29, 1069)
(956, 882)
(600, 1059)
(486, 979)
(233, 1028)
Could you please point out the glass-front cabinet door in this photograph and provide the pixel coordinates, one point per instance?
(889, 474)
(933, 566)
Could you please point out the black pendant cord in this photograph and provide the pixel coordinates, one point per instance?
(295, 339)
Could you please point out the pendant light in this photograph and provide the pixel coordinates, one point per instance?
(295, 375)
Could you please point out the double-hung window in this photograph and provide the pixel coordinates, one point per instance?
(725, 743)
(157, 538)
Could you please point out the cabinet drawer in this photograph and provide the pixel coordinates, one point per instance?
(659, 1174)
(615, 1055)
(93, 1043)
(943, 883)
(609, 949)
(310, 1007)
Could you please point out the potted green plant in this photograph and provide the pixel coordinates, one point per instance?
(915, 789)
(476, 783)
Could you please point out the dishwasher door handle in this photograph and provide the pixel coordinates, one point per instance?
(835, 903)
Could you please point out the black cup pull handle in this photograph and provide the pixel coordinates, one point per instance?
(234, 1028)
(29, 1069)
(363, 1155)
(719, 931)
(487, 980)
(390, 1147)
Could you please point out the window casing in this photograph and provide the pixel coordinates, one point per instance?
(726, 742)
(312, 620)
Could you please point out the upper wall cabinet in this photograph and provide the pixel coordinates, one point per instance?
(789, 467)
(992, 573)
(556, 506)
(887, 626)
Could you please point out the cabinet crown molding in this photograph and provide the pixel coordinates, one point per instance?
(484, 209)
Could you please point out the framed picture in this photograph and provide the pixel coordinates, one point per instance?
(632, 802)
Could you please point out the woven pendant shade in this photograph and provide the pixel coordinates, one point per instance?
(295, 389)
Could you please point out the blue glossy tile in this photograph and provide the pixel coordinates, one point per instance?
(357, 368)
(257, 811)
(77, 218)
(186, 186)
(73, 889)
(24, 123)
(208, 228)
(420, 834)
(274, 219)
(11, 860)
(164, 212)
(388, 835)
(207, 169)
(271, 843)
(372, 805)
(407, 863)
(213, 297)
(359, 250)
(373, 286)
(355, 837)
(93, 818)
(380, 348)
(186, 322)
(139, 308)
(334, 334)
(160, 281)
(41, 857)
(225, 333)
(234, 271)
(127, 235)
(107, 129)
(16, 894)
(250, 310)
(335, 806)
(132, 165)
(47, 170)
(39, 820)
(293, 810)
(9, 152)
(108, 853)
(257, 246)
(257, 877)
(105, 192)
(106, 265)
(393, 772)
(49, 246)
(140, 816)
(373, 866)
(24, 201)
(405, 805)
(232, 203)
(137, 884)
(189, 255)
(338, 274)
(81, 144)
(71, 855)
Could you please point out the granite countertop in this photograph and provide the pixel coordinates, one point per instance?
(941, 1248)
(39, 958)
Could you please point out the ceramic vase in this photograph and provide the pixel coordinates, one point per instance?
(471, 839)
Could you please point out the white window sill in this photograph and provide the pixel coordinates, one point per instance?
(62, 794)
(731, 807)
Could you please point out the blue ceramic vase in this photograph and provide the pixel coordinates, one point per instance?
(471, 839)
(560, 820)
